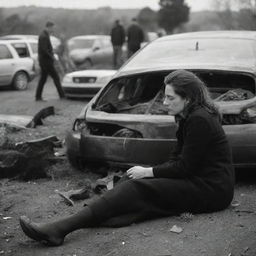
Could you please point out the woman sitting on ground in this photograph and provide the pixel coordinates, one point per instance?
(200, 179)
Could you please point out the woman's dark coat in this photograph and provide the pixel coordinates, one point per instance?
(201, 179)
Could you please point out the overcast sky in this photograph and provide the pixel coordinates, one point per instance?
(92, 4)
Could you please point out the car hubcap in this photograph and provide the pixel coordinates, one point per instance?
(21, 81)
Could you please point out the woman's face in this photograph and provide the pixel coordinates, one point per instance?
(174, 103)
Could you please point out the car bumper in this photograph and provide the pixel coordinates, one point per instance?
(132, 151)
(125, 151)
(72, 141)
(81, 90)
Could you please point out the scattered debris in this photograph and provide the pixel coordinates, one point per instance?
(24, 121)
(29, 159)
(186, 216)
(235, 204)
(176, 229)
(60, 152)
(7, 218)
(66, 198)
(12, 127)
(90, 189)
(107, 183)
(244, 253)
(244, 211)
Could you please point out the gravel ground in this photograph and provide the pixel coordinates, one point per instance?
(226, 233)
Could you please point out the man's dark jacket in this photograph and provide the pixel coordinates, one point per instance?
(45, 51)
(117, 35)
(135, 37)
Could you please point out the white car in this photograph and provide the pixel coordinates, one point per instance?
(17, 66)
(89, 50)
(54, 40)
(85, 83)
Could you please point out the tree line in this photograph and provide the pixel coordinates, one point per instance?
(173, 16)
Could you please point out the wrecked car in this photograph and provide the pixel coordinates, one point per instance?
(126, 123)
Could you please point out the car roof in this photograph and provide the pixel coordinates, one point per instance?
(27, 37)
(89, 37)
(9, 41)
(187, 63)
(213, 34)
(19, 37)
(93, 72)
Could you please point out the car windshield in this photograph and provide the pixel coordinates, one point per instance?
(195, 51)
(80, 43)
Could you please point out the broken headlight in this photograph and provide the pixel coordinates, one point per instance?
(79, 125)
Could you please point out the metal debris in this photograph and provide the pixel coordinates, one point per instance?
(176, 229)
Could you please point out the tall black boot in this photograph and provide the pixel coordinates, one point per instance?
(54, 233)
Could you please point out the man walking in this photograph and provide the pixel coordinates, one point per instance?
(117, 39)
(46, 62)
(135, 37)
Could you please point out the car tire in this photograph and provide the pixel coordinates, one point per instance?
(20, 81)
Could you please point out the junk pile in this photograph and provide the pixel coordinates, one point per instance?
(29, 159)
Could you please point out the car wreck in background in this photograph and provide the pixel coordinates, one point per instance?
(126, 122)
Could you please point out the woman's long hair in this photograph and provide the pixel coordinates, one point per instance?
(188, 86)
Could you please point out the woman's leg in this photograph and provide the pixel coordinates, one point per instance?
(53, 233)
(145, 197)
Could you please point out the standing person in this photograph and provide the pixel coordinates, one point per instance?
(117, 40)
(46, 62)
(135, 36)
(198, 179)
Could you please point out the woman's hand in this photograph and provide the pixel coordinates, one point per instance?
(139, 172)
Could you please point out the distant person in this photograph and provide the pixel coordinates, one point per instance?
(67, 64)
(117, 40)
(46, 62)
(135, 37)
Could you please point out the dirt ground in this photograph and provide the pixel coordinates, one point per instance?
(226, 233)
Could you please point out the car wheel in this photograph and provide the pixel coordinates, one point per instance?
(20, 81)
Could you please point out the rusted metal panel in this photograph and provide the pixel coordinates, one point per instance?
(126, 150)
(150, 126)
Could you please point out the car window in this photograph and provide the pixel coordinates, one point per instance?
(34, 47)
(80, 43)
(21, 49)
(198, 50)
(5, 53)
